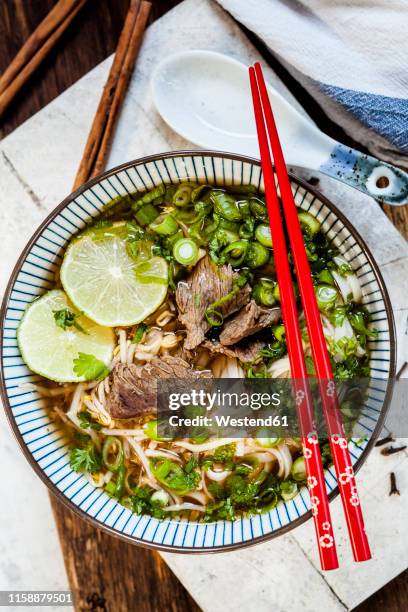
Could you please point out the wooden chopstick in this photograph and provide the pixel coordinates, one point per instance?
(332, 414)
(311, 450)
(35, 49)
(98, 142)
(133, 49)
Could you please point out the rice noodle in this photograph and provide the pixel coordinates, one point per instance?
(96, 479)
(218, 475)
(283, 456)
(170, 340)
(97, 409)
(342, 284)
(199, 448)
(141, 456)
(143, 480)
(184, 506)
(122, 345)
(138, 433)
(355, 287)
(164, 318)
(240, 447)
(198, 496)
(287, 459)
(343, 331)
(227, 367)
(280, 368)
(328, 327)
(76, 404)
(48, 391)
(163, 453)
(131, 353)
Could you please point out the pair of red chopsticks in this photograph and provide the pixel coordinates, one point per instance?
(269, 140)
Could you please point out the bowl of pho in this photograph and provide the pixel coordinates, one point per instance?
(163, 269)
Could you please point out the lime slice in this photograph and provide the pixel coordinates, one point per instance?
(107, 284)
(49, 350)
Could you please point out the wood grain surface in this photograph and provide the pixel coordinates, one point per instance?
(104, 572)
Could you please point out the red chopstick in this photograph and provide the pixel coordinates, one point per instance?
(334, 424)
(311, 450)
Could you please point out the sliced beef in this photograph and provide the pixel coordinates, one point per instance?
(249, 320)
(206, 284)
(244, 351)
(133, 387)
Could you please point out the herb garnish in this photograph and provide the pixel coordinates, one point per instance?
(85, 459)
(89, 367)
(65, 319)
(140, 330)
(86, 422)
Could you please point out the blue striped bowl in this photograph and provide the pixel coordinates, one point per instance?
(46, 446)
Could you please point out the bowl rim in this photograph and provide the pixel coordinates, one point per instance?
(3, 391)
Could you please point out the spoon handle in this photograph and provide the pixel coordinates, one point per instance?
(378, 179)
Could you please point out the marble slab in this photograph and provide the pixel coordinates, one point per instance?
(37, 167)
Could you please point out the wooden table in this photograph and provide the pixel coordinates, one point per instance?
(105, 573)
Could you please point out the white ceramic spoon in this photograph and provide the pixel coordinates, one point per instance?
(205, 97)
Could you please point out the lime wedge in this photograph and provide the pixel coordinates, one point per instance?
(107, 284)
(49, 350)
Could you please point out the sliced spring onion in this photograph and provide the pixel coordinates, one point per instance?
(149, 196)
(309, 223)
(198, 192)
(257, 255)
(161, 497)
(235, 252)
(214, 317)
(213, 312)
(120, 481)
(146, 214)
(198, 435)
(263, 235)
(232, 226)
(359, 321)
(257, 208)
(265, 439)
(185, 251)
(226, 206)
(326, 277)
(112, 453)
(263, 292)
(298, 469)
(288, 489)
(246, 230)
(165, 225)
(343, 266)
(182, 197)
(151, 430)
(326, 296)
(279, 332)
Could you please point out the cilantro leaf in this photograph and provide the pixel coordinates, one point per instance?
(85, 459)
(90, 367)
(65, 319)
(86, 422)
(191, 464)
(223, 454)
(140, 330)
(142, 503)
